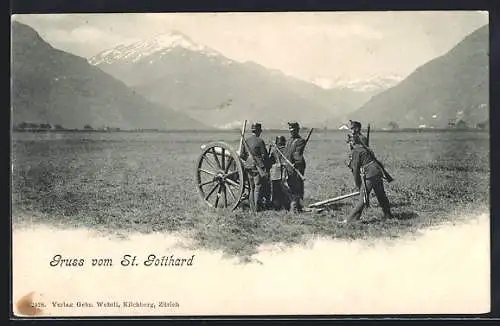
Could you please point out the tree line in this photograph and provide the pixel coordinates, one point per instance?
(32, 126)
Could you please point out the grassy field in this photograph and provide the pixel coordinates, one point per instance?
(121, 182)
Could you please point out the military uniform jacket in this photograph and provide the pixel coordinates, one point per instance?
(294, 152)
(362, 159)
(259, 152)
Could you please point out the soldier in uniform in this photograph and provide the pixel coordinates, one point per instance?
(368, 175)
(355, 127)
(356, 131)
(279, 193)
(260, 158)
(294, 152)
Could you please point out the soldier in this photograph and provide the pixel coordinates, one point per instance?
(368, 175)
(279, 193)
(260, 158)
(294, 152)
(355, 127)
(356, 131)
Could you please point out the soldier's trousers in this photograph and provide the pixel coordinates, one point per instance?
(258, 183)
(296, 185)
(377, 185)
(279, 195)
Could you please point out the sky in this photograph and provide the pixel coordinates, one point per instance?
(312, 45)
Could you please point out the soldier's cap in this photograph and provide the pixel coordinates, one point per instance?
(256, 126)
(355, 124)
(293, 126)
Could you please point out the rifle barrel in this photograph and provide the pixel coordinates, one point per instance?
(243, 128)
(309, 135)
(368, 136)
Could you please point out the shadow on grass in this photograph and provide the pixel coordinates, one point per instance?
(407, 215)
(400, 204)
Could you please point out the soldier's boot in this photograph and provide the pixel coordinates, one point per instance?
(294, 207)
(384, 203)
(300, 205)
(388, 216)
(260, 205)
(387, 213)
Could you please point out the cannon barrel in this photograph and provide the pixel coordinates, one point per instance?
(218, 150)
(332, 200)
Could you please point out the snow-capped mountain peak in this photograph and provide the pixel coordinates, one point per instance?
(173, 39)
(163, 43)
(370, 83)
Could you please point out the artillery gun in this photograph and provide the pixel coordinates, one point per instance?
(223, 181)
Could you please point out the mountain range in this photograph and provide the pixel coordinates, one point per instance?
(172, 82)
(55, 87)
(453, 87)
(171, 69)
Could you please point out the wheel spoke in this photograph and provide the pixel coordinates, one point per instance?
(230, 161)
(231, 191)
(206, 183)
(211, 192)
(218, 197)
(230, 174)
(223, 159)
(216, 158)
(236, 184)
(225, 195)
(206, 171)
(210, 163)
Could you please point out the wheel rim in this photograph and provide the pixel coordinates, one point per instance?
(219, 176)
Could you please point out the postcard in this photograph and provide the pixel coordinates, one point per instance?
(250, 164)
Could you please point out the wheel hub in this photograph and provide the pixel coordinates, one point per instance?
(220, 178)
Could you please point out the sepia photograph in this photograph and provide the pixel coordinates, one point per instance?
(250, 164)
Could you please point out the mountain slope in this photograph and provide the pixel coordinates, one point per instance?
(171, 69)
(451, 87)
(52, 86)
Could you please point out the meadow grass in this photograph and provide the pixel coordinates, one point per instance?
(124, 182)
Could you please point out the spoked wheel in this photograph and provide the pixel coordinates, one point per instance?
(248, 194)
(220, 176)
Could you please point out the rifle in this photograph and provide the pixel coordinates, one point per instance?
(288, 162)
(262, 173)
(349, 142)
(368, 136)
(308, 136)
(243, 128)
(366, 197)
